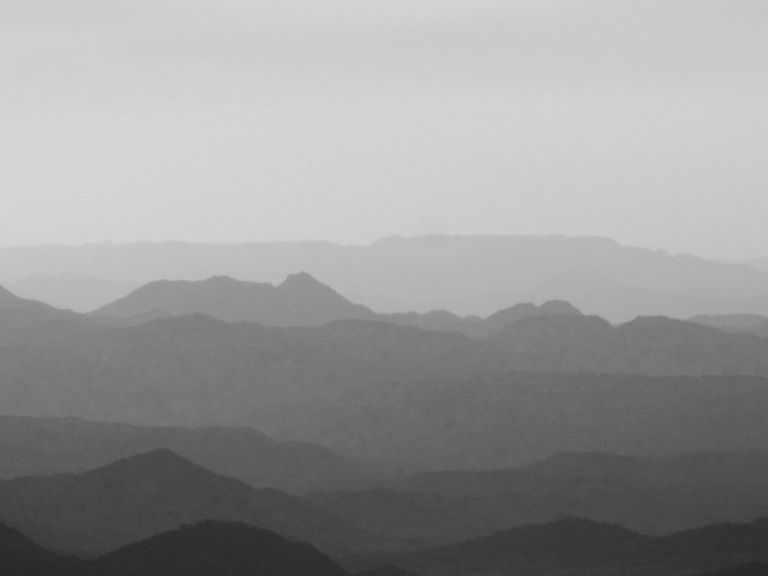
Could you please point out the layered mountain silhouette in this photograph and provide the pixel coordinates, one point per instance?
(646, 345)
(299, 301)
(482, 328)
(576, 546)
(202, 371)
(145, 495)
(20, 556)
(651, 495)
(749, 569)
(468, 422)
(210, 548)
(466, 274)
(43, 446)
(201, 549)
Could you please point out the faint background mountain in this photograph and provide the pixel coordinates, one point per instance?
(299, 300)
(68, 291)
(735, 323)
(465, 274)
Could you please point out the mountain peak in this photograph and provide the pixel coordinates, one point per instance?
(300, 279)
(160, 460)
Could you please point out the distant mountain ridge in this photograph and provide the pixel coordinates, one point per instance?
(469, 275)
(299, 301)
(735, 323)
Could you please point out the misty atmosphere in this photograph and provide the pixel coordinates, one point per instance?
(383, 288)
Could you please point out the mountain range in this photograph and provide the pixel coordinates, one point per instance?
(469, 275)
(44, 446)
(355, 385)
(199, 549)
(144, 495)
(580, 547)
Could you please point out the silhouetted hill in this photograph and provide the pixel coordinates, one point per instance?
(481, 328)
(151, 493)
(43, 446)
(20, 556)
(735, 323)
(202, 549)
(646, 345)
(574, 546)
(209, 548)
(749, 569)
(299, 301)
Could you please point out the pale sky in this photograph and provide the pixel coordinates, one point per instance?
(349, 120)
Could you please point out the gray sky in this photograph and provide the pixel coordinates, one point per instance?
(348, 120)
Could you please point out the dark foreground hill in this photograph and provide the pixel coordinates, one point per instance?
(210, 548)
(201, 549)
(145, 495)
(20, 556)
(44, 446)
(749, 569)
(581, 547)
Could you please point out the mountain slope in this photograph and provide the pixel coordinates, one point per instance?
(20, 556)
(151, 493)
(201, 371)
(575, 546)
(209, 548)
(481, 328)
(28, 322)
(201, 549)
(44, 446)
(646, 345)
(650, 495)
(78, 292)
(299, 301)
(735, 323)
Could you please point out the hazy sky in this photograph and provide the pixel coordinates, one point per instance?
(348, 120)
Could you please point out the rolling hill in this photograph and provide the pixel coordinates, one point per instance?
(142, 496)
(44, 446)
